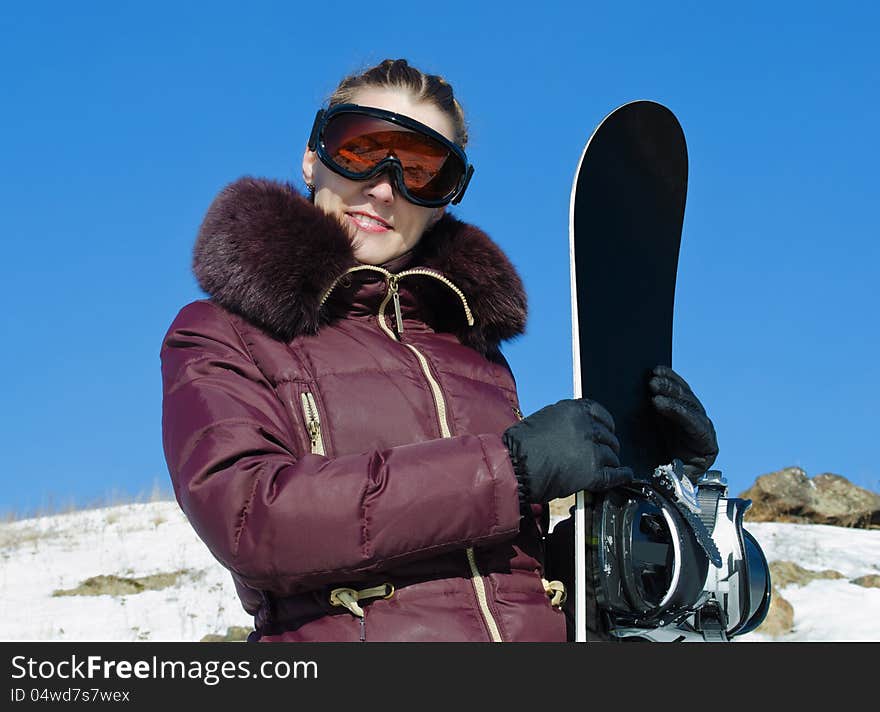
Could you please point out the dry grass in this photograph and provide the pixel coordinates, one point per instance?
(20, 536)
(234, 634)
(53, 505)
(869, 581)
(111, 585)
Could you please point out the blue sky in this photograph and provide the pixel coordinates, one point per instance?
(121, 121)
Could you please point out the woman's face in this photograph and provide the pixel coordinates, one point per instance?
(383, 225)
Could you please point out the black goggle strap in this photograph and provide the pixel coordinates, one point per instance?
(464, 185)
(397, 119)
(316, 129)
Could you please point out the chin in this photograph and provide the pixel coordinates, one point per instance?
(372, 259)
(367, 256)
(366, 251)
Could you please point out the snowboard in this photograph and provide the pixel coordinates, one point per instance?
(626, 216)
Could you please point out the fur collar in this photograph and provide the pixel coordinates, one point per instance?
(266, 253)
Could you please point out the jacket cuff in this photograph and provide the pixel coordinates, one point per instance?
(513, 496)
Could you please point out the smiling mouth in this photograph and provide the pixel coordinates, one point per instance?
(368, 223)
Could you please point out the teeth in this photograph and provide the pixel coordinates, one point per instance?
(365, 220)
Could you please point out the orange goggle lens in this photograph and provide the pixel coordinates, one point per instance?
(357, 144)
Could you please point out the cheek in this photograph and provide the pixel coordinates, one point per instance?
(418, 221)
(330, 183)
(325, 200)
(328, 195)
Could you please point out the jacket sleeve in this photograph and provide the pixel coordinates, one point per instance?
(287, 521)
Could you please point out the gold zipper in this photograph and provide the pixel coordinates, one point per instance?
(448, 282)
(313, 423)
(357, 268)
(393, 280)
(439, 402)
(480, 588)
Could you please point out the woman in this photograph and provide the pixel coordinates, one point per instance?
(339, 423)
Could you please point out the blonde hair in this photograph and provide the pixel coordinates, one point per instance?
(397, 73)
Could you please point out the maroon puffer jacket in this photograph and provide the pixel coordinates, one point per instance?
(333, 431)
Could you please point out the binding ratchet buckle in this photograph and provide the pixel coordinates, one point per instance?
(671, 560)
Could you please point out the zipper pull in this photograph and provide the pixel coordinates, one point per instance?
(314, 432)
(395, 296)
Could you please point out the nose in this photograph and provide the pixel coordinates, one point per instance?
(381, 187)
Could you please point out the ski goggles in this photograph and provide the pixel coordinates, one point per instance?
(359, 142)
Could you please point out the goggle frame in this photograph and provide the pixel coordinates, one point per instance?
(391, 163)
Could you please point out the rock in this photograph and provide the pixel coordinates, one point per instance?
(780, 617)
(790, 496)
(560, 508)
(788, 573)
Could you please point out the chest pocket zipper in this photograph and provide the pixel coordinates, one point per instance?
(313, 423)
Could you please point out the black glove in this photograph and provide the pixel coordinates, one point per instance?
(687, 430)
(564, 448)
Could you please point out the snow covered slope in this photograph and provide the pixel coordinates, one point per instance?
(41, 556)
(139, 572)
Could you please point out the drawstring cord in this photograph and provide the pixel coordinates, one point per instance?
(349, 597)
(556, 591)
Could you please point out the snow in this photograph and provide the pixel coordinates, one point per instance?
(40, 556)
(825, 610)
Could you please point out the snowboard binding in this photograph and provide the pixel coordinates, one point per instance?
(671, 562)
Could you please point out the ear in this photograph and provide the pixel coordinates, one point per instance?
(435, 218)
(308, 166)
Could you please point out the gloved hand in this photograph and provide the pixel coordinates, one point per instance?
(564, 448)
(689, 434)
